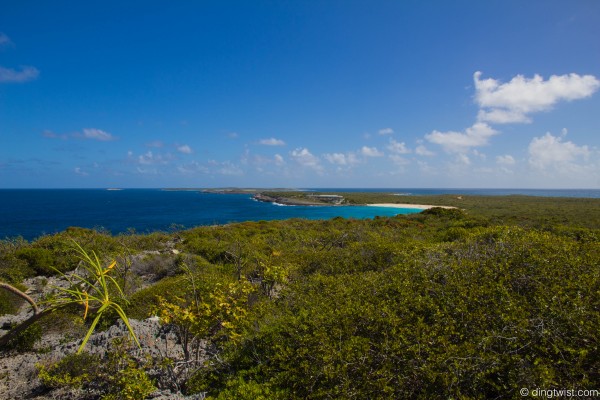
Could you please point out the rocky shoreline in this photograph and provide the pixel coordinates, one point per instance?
(288, 201)
(303, 199)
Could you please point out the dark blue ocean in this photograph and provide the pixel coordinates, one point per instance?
(31, 213)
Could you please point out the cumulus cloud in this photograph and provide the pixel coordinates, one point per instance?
(25, 74)
(80, 172)
(479, 154)
(305, 158)
(279, 161)
(336, 158)
(97, 134)
(370, 152)
(230, 169)
(459, 142)
(386, 131)
(342, 158)
(399, 160)
(397, 147)
(511, 102)
(550, 151)
(87, 133)
(184, 149)
(150, 158)
(423, 151)
(505, 160)
(272, 142)
(192, 168)
(463, 159)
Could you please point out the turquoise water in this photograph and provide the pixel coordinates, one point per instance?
(32, 213)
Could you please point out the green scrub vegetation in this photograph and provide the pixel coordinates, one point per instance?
(476, 302)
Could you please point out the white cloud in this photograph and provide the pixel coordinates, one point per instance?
(336, 158)
(463, 159)
(80, 172)
(479, 154)
(228, 168)
(151, 158)
(192, 167)
(341, 158)
(272, 142)
(423, 151)
(25, 74)
(97, 134)
(397, 147)
(305, 158)
(184, 149)
(386, 131)
(87, 133)
(551, 151)
(505, 160)
(502, 116)
(458, 142)
(399, 160)
(279, 160)
(512, 102)
(147, 171)
(51, 135)
(4, 40)
(370, 152)
(426, 169)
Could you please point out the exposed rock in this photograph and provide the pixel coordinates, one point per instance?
(18, 373)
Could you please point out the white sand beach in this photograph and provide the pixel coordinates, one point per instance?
(401, 205)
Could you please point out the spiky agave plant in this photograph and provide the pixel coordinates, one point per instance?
(92, 290)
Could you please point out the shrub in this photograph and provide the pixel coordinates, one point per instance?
(116, 376)
(500, 309)
(40, 260)
(73, 370)
(13, 270)
(144, 302)
(26, 340)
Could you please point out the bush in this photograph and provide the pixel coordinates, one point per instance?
(478, 318)
(26, 340)
(143, 303)
(73, 370)
(116, 376)
(40, 260)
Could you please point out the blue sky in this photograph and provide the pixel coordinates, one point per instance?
(300, 94)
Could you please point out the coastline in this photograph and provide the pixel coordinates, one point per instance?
(406, 205)
(287, 201)
(337, 201)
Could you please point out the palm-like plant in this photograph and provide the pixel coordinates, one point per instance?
(94, 290)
